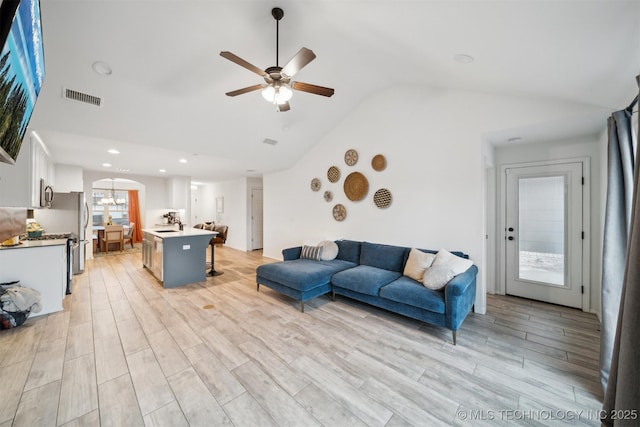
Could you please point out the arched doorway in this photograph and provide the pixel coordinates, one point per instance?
(109, 202)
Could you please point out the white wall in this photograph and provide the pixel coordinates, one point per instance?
(252, 184)
(178, 193)
(68, 178)
(432, 140)
(587, 146)
(235, 210)
(207, 201)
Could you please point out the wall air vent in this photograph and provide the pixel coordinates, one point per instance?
(74, 95)
(270, 141)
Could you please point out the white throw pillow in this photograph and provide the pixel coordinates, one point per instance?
(329, 250)
(417, 263)
(437, 277)
(455, 263)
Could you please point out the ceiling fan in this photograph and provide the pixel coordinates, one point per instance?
(278, 84)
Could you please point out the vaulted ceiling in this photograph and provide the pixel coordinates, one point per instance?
(165, 97)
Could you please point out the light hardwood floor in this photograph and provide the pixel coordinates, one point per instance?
(126, 352)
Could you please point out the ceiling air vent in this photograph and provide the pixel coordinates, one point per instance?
(74, 95)
(270, 141)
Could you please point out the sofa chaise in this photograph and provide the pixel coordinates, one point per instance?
(382, 276)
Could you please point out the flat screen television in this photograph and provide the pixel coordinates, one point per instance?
(21, 71)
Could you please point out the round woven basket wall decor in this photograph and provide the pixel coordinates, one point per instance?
(333, 174)
(316, 184)
(382, 198)
(356, 186)
(339, 212)
(328, 196)
(378, 163)
(351, 157)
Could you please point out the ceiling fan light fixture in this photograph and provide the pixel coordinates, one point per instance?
(277, 94)
(269, 93)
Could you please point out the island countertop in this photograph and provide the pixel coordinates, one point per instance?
(168, 233)
(176, 257)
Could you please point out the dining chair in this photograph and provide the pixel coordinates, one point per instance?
(128, 237)
(113, 234)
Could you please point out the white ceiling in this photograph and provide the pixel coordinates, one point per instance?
(165, 99)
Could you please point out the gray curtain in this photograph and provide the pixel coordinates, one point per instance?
(620, 347)
(616, 230)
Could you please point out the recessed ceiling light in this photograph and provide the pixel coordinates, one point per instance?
(183, 160)
(122, 169)
(162, 170)
(463, 58)
(113, 151)
(102, 68)
(106, 165)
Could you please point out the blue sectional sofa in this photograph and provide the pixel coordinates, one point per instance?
(372, 273)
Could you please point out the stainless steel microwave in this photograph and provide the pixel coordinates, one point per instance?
(46, 194)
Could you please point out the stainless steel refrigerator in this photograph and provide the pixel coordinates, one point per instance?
(69, 213)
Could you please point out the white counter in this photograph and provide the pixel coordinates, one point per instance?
(170, 232)
(24, 244)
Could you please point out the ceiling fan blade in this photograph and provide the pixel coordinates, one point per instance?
(317, 90)
(245, 90)
(241, 62)
(302, 58)
(284, 107)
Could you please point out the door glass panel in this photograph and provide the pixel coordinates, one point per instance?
(542, 229)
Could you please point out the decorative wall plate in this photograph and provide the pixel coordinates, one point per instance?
(356, 186)
(328, 196)
(382, 198)
(378, 163)
(351, 157)
(333, 174)
(316, 184)
(339, 212)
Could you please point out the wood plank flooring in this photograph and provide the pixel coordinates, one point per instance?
(127, 352)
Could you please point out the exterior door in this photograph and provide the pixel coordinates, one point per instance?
(544, 233)
(256, 219)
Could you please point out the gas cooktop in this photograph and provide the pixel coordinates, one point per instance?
(52, 236)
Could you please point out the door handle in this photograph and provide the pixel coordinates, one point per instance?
(510, 228)
(510, 237)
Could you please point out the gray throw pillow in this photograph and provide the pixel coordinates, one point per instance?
(311, 252)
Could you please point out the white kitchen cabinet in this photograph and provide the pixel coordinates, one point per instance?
(20, 183)
(43, 268)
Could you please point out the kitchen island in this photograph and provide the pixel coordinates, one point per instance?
(40, 265)
(176, 257)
